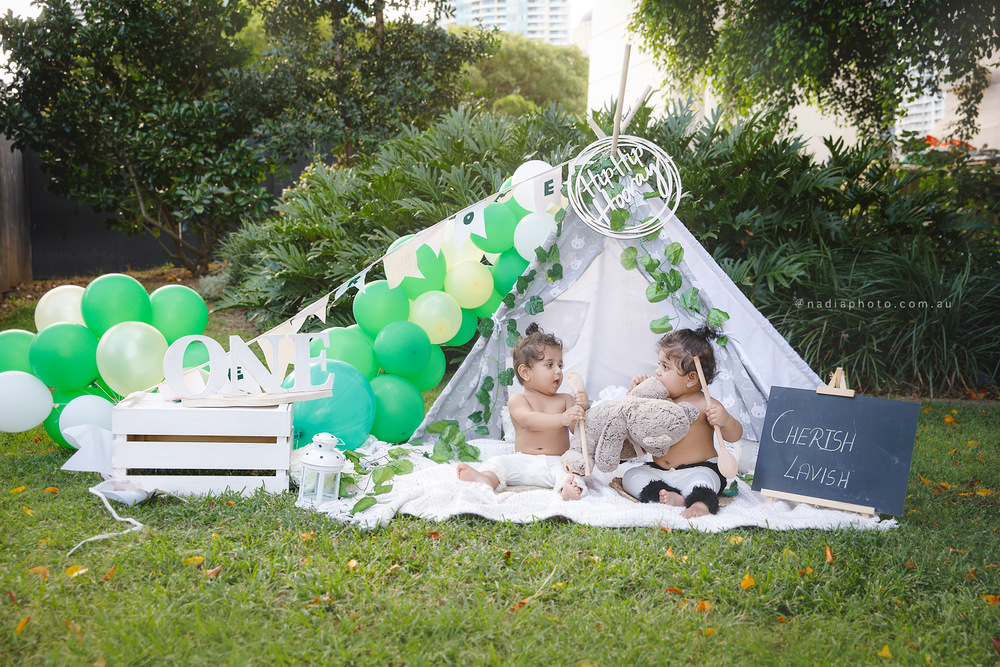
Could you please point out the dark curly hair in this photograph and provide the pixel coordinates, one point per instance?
(531, 348)
(686, 344)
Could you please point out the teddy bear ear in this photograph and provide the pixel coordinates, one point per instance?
(650, 388)
(690, 412)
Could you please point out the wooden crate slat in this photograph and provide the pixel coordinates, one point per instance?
(191, 455)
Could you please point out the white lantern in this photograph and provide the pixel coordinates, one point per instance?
(321, 468)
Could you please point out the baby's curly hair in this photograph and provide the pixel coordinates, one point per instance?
(531, 347)
(686, 344)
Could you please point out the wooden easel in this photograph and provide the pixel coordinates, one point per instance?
(836, 387)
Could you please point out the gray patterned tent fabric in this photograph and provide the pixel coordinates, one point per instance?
(600, 311)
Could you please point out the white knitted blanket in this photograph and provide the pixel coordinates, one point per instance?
(433, 491)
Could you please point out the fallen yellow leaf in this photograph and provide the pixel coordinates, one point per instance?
(75, 629)
(100, 662)
(704, 605)
(782, 619)
(983, 492)
(214, 572)
(926, 410)
(18, 489)
(20, 626)
(75, 571)
(747, 582)
(41, 570)
(311, 535)
(786, 552)
(670, 552)
(51, 489)
(709, 632)
(735, 539)
(352, 565)
(829, 554)
(884, 653)
(909, 564)
(808, 570)
(948, 419)
(925, 480)
(195, 560)
(110, 573)
(28, 511)
(991, 600)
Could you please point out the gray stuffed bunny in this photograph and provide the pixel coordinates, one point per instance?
(624, 428)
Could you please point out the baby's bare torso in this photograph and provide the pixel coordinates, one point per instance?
(549, 442)
(696, 446)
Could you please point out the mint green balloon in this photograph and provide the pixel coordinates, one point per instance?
(515, 208)
(14, 344)
(349, 345)
(399, 408)
(376, 305)
(63, 356)
(500, 223)
(470, 321)
(402, 348)
(432, 267)
(507, 269)
(114, 298)
(432, 372)
(487, 309)
(130, 356)
(178, 311)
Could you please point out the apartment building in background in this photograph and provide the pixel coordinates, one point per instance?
(544, 20)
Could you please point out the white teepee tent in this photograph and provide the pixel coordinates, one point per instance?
(595, 300)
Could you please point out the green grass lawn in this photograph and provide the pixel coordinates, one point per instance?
(233, 580)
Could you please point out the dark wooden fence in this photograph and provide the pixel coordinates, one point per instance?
(15, 228)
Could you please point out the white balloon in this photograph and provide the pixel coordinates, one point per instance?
(531, 232)
(59, 304)
(85, 410)
(525, 194)
(25, 401)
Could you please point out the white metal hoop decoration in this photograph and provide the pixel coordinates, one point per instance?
(612, 193)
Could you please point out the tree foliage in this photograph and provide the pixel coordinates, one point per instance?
(862, 59)
(538, 72)
(158, 113)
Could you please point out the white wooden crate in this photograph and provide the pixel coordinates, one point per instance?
(152, 433)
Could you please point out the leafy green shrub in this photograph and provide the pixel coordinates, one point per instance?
(853, 263)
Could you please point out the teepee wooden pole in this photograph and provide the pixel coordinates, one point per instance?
(621, 102)
(727, 462)
(576, 384)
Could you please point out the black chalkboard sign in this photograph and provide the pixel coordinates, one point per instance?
(853, 451)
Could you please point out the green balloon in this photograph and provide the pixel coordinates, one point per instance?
(114, 298)
(64, 356)
(195, 354)
(500, 223)
(14, 344)
(399, 408)
(432, 267)
(400, 241)
(376, 305)
(432, 372)
(350, 345)
(402, 348)
(507, 269)
(470, 321)
(178, 311)
(515, 208)
(487, 309)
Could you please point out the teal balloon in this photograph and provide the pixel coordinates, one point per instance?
(402, 348)
(487, 309)
(348, 413)
(432, 268)
(178, 311)
(470, 321)
(349, 345)
(64, 356)
(114, 298)
(507, 269)
(14, 344)
(432, 372)
(500, 223)
(376, 305)
(399, 408)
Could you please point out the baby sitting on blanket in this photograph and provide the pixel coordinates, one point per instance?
(541, 417)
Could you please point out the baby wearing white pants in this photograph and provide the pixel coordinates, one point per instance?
(519, 469)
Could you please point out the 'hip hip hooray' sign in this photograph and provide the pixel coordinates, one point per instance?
(847, 450)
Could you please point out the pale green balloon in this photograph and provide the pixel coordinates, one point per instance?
(470, 283)
(438, 314)
(130, 357)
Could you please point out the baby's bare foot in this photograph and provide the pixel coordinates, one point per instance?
(671, 498)
(467, 473)
(696, 510)
(570, 491)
